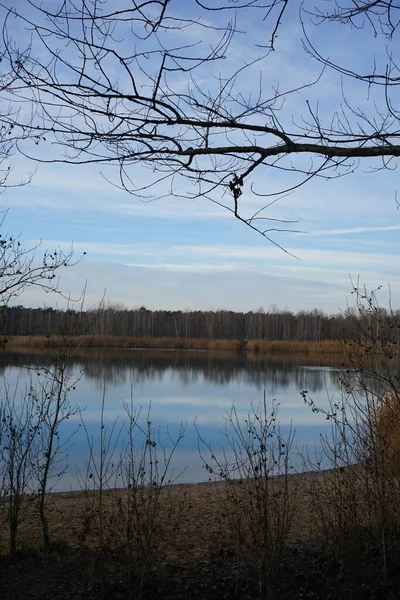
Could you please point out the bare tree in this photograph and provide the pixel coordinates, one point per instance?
(138, 84)
(19, 267)
(51, 399)
(19, 427)
(10, 132)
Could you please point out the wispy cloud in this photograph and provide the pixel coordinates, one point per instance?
(262, 258)
(175, 253)
(354, 230)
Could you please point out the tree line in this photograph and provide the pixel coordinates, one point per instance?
(272, 324)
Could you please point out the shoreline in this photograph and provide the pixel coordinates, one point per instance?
(253, 346)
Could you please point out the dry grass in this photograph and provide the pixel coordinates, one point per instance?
(387, 423)
(293, 347)
(339, 348)
(168, 343)
(109, 341)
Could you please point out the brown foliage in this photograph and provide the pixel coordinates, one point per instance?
(115, 341)
(388, 431)
(172, 343)
(292, 346)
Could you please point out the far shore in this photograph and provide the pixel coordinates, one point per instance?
(256, 346)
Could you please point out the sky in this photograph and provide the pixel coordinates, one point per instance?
(176, 253)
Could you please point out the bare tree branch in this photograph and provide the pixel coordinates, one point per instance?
(138, 85)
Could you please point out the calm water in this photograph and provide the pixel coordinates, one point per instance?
(183, 387)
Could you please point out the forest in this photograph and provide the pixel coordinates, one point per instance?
(273, 324)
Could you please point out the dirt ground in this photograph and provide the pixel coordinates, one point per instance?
(200, 512)
(195, 543)
(194, 552)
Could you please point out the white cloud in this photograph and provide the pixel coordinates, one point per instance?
(354, 230)
(197, 254)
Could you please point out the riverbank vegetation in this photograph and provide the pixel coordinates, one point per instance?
(256, 332)
(143, 324)
(168, 343)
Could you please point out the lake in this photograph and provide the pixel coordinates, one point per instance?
(181, 387)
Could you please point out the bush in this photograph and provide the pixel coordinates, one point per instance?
(387, 424)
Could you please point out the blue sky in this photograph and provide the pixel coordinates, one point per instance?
(176, 253)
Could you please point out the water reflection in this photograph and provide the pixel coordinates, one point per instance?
(185, 386)
(119, 367)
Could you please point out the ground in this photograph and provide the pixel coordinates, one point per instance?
(195, 553)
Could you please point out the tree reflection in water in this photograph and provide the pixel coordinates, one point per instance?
(184, 386)
(117, 367)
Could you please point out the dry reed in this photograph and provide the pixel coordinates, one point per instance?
(170, 343)
(110, 341)
(294, 346)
